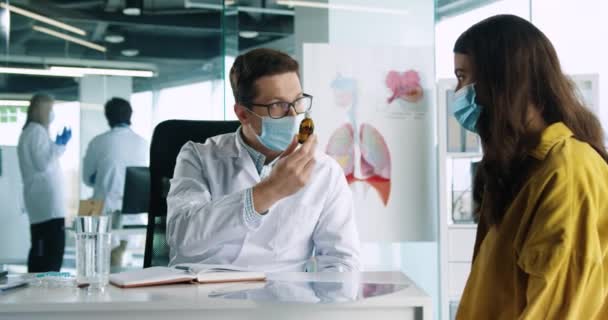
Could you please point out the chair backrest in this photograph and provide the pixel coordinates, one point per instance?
(136, 194)
(167, 140)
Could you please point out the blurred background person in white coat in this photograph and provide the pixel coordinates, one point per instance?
(43, 185)
(110, 153)
(106, 160)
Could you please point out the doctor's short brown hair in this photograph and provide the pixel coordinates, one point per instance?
(255, 64)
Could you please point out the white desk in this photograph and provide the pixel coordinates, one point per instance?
(193, 301)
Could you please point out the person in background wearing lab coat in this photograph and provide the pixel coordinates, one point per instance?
(43, 185)
(110, 153)
(106, 160)
(255, 199)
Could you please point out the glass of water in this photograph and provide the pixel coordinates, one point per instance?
(93, 246)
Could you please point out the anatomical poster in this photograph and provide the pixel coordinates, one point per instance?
(373, 113)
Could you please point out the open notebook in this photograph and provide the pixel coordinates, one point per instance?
(186, 273)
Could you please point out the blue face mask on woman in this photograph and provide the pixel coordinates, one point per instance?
(465, 109)
(277, 134)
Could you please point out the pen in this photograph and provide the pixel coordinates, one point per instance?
(185, 268)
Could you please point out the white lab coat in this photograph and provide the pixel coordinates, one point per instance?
(107, 157)
(42, 180)
(205, 219)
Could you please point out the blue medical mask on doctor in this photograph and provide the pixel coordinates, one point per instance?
(277, 134)
(465, 109)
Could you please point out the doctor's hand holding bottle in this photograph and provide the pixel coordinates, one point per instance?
(290, 174)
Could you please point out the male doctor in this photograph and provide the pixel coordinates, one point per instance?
(110, 153)
(255, 198)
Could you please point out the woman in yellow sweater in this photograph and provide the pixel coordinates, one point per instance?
(542, 185)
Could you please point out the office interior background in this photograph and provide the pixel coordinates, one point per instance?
(170, 59)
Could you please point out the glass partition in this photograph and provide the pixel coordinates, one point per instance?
(369, 68)
(186, 78)
(85, 53)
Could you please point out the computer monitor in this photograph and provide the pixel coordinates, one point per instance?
(136, 196)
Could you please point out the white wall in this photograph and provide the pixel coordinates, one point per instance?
(67, 114)
(15, 226)
(449, 29)
(143, 109)
(198, 101)
(9, 129)
(411, 25)
(579, 33)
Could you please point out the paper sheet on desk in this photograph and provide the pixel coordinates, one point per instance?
(11, 283)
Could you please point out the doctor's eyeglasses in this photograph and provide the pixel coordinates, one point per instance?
(278, 110)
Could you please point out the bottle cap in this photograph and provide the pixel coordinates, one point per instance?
(307, 115)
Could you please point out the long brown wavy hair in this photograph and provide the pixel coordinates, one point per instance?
(515, 67)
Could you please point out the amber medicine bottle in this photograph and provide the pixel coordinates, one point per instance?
(307, 127)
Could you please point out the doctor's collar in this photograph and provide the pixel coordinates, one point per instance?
(121, 125)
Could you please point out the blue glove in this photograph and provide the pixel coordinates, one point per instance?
(63, 138)
(68, 135)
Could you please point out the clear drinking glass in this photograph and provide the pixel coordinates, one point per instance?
(93, 246)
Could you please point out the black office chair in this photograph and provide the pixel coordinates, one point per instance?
(136, 194)
(168, 138)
